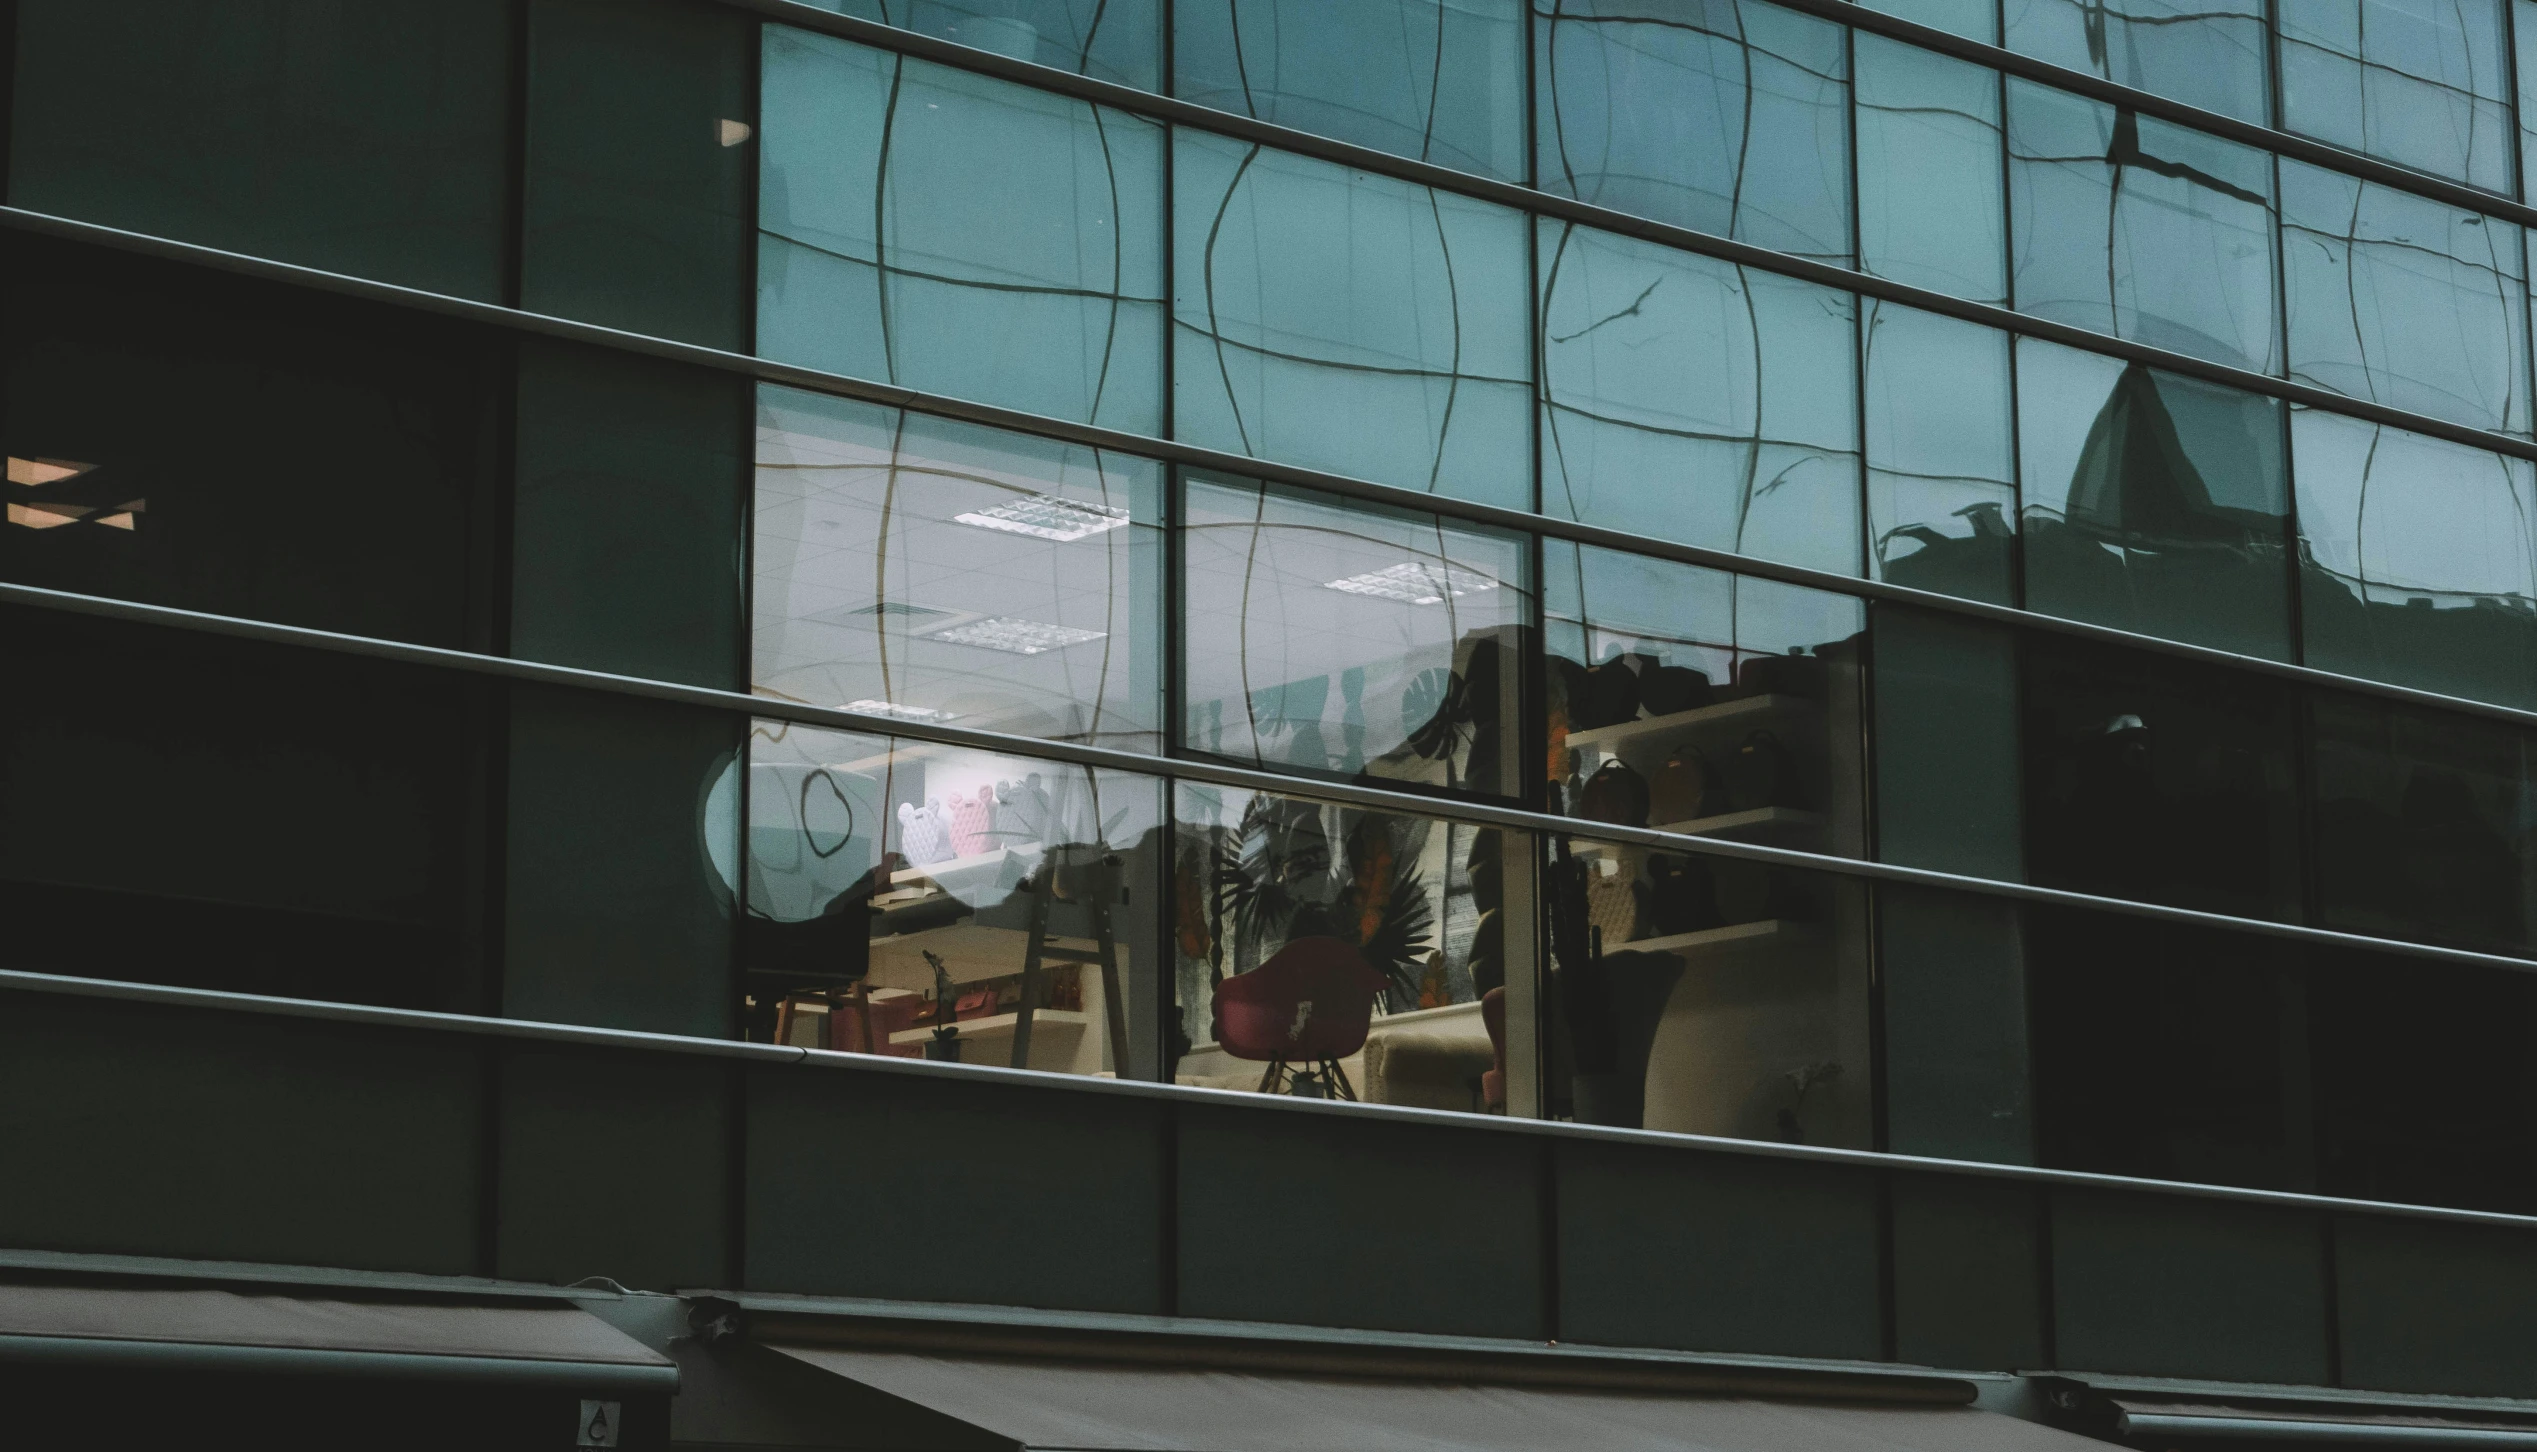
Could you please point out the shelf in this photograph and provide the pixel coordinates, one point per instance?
(955, 866)
(1766, 933)
(998, 1028)
(1777, 819)
(1750, 710)
(971, 951)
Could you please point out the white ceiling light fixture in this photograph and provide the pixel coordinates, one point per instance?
(1415, 582)
(1016, 636)
(1049, 517)
(897, 712)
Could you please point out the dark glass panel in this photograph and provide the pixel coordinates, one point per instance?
(1345, 321)
(1947, 776)
(925, 901)
(368, 138)
(1952, 974)
(192, 439)
(1932, 210)
(2207, 53)
(639, 163)
(2160, 779)
(1438, 80)
(2153, 502)
(1114, 40)
(1941, 454)
(2424, 85)
(1721, 116)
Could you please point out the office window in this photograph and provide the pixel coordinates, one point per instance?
(2131, 226)
(923, 901)
(1438, 80)
(938, 571)
(1931, 204)
(1972, 19)
(1725, 118)
(1111, 40)
(2153, 502)
(2404, 301)
(957, 234)
(1691, 399)
(2159, 779)
(1941, 456)
(1344, 321)
(2424, 85)
(1333, 638)
(2417, 562)
(2207, 55)
(364, 138)
(1336, 953)
(2524, 39)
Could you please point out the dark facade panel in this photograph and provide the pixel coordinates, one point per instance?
(614, 1165)
(1968, 1273)
(2155, 1286)
(1328, 1221)
(1708, 1252)
(2436, 1308)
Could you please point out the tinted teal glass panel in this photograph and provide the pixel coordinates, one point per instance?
(2207, 53)
(2403, 301)
(1932, 210)
(1115, 40)
(2524, 38)
(2418, 565)
(2423, 83)
(2148, 231)
(2153, 502)
(1345, 321)
(1941, 454)
(1972, 19)
(1715, 115)
(370, 139)
(1440, 80)
(1693, 400)
(958, 234)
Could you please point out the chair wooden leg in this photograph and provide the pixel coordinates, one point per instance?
(1269, 1077)
(1339, 1085)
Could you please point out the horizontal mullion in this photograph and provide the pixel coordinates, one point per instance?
(1184, 768)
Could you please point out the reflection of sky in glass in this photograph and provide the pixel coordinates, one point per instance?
(1115, 40)
(1930, 212)
(2403, 515)
(2207, 53)
(2420, 82)
(1942, 491)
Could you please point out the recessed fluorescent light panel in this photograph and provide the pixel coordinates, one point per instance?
(1016, 637)
(45, 471)
(1048, 516)
(897, 712)
(1416, 582)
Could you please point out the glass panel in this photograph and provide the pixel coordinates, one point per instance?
(939, 571)
(1696, 701)
(2160, 780)
(1714, 115)
(1946, 730)
(2524, 37)
(1972, 19)
(2203, 54)
(957, 234)
(2403, 301)
(1336, 953)
(1942, 482)
(1115, 40)
(925, 901)
(372, 139)
(2148, 231)
(2154, 502)
(1335, 638)
(1704, 995)
(1952, 977)
(1931, 211)
(1344, 321)
(2418, 565)
(1690, 399)
(2422, 824)
(2424, 83)
(1439, 80)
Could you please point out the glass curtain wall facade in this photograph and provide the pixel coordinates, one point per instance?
(1210, 534)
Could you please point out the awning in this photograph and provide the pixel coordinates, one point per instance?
(1068, 1406)
(2167, 1418)
(524, 1341)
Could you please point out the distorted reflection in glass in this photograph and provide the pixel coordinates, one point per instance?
(1439, 80)
(1336, 638)
(2524, 39)
(2422, 823)
(1931, 211)
(932, 570)
(2417, 561)
(2423, 84)
(1726, 117)
(1114, 40)
(925, 901)
(958, 234)
(2153, 502)
(1333, 952)
(2134, 227)
(1345, 321)
(1942, 467)
(1690, 399)
(1972, 19)
(2203, 54)
(2404, 301)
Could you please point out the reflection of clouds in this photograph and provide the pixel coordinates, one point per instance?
(2425, 85)
(2400, 515)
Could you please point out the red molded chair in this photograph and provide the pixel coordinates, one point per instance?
(1310, 1004)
